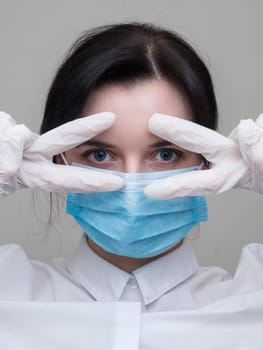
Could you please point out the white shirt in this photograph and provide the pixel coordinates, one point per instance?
(169, 303)
(172, 282)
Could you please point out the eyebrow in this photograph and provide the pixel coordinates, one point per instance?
(109, 145)
(97, 144)
(161, 144)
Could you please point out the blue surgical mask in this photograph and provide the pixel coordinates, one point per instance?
(125, 222)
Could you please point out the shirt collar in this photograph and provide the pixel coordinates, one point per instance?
(167, 272)
(106, 282)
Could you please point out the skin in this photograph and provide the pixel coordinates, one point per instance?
(130, 146)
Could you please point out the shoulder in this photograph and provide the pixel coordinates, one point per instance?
(25, 279)
(251, 260)
(213, 283)
(12, 256)
(254, 251)
(250, 266)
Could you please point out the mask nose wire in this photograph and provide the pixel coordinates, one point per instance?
(64, 158)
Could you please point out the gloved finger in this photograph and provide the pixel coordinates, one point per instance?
(259, 120)
(6, 122)
(201, 182)
(71, 134)
(12, 145)
(62, 178)
(250, 139)
(189, 135)
(217, 179)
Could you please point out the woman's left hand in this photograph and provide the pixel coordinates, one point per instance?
(234, 162)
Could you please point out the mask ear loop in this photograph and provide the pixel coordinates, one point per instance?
(64, 159)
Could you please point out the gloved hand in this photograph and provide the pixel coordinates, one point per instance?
(235, 161)
(26, 158)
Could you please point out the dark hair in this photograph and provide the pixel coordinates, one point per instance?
(125, 54)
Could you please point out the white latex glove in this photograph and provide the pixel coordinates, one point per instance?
(235, 161)
(26, 158)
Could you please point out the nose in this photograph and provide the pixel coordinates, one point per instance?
(133, 165)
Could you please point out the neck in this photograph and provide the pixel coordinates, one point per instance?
(123, 262)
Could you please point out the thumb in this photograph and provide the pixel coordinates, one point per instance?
(259, 120)
(250, 138)
(6, 122)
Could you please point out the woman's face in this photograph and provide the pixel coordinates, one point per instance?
(128, 146)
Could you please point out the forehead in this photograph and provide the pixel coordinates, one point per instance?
(144, 98)
(134, 105)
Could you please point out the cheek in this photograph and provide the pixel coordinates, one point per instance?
(191, 159)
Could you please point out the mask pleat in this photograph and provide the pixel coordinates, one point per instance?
(126, 222)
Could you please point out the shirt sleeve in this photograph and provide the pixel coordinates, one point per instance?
(249, 273)
(16, 273)
(22, 279)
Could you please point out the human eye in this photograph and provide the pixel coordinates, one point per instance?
(97, 156)
(167, 155)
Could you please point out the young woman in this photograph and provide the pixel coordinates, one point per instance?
(146, 112)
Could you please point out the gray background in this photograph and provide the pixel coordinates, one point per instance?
(34, 36)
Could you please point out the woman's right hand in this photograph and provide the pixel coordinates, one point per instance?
(26, 159)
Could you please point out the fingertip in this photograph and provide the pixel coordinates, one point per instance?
(154, 192)
(154, 121)
(158, 118)
(115, 183)
(104, 183)
(97, 123)
(102, 116)
(163, 125)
